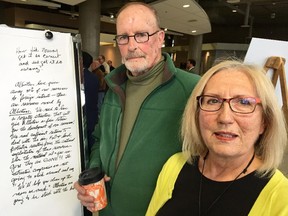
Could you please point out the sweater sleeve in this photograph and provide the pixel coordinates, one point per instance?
(95, 153)
(273, 200)
(165, 183)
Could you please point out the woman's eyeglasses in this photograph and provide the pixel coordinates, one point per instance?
(242, 105)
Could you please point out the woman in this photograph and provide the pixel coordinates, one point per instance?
(234, 137)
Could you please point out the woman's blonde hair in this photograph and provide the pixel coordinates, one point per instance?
(271, 144)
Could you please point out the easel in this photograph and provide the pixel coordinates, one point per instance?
(277, 65)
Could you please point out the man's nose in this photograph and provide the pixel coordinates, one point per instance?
(132, 44)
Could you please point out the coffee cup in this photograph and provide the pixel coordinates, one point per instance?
(93, 181)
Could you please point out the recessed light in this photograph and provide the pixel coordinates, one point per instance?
(234, 10)
(194, 31)
(186, 6)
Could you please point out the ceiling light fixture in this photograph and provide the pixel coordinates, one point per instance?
(194, 31)
(186, 6)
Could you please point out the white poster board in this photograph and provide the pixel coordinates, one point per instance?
(261, 49)
(40, 151)
(258, 53)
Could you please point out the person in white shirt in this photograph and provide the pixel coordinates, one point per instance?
(101, 59)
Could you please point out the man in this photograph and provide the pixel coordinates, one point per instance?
(109, 62)
(105, 65)
(95, 67)
(191, 63)
(91, 86)
(141, 113)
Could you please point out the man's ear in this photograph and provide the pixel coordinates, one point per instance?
(161, 38)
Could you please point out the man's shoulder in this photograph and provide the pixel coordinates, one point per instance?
(105, 64)
(89, 76)
(186, 76)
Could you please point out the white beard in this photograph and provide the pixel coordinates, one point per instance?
(136, 66)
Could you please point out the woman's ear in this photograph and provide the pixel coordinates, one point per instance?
(263, 126)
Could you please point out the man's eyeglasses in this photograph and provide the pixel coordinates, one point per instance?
(242, 105)
(141, 37)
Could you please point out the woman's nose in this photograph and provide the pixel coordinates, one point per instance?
(225, 114)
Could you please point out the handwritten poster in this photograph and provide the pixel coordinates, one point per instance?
(40, 151)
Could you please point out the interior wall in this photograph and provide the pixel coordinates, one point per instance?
(111, 53)
(284, 165)
(26, 16)
(181, 58)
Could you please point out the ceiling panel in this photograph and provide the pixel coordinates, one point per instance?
(70, 2)
(174, 17)
(267, 18)
(35, 3)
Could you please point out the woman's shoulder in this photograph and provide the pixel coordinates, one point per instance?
(279, 180)
(273, 198)
(176, 161)
(277, 186)
(171, 169)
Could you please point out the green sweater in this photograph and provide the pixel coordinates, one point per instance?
(272, 201)
(153, 138)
